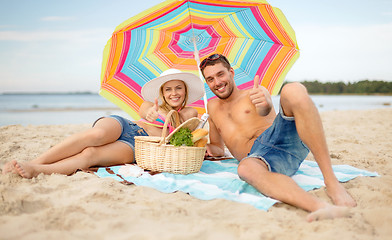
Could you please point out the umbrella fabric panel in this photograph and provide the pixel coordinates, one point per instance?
(255, 37)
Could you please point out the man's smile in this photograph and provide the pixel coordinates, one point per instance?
(221, 89)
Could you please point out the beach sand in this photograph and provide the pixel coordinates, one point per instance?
(83, 206)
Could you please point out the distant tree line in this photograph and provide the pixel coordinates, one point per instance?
(361, 87)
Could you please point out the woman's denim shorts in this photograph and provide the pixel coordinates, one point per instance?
(280, 146)
(129, 131)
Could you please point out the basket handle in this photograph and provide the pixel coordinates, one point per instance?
(168, 117)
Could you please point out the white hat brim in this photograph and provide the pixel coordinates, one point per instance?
(195, 86)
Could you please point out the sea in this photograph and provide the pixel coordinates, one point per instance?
(53, 109)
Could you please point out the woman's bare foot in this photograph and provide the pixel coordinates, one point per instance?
(9, 167)
(328, 212)
(25, 170)
(339, 195)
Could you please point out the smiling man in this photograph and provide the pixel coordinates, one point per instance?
(270, 146)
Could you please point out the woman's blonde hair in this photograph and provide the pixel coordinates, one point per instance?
(175, 119)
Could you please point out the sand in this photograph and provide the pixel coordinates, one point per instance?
(83, 206)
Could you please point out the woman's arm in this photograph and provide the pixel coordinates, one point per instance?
(149, 110)
(187, 113)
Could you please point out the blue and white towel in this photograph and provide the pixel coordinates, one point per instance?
(219, 179)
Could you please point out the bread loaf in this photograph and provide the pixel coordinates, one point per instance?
(201, 142)
(199, 134)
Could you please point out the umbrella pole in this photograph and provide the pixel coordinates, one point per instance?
(197, 58)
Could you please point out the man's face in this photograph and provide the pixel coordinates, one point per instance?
(219, 80)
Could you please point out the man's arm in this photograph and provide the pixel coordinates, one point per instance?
(260, 98)
(216, 147)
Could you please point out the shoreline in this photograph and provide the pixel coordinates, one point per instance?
(83, 206)
(62, 116)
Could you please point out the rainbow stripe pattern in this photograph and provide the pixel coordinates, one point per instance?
(256, 38)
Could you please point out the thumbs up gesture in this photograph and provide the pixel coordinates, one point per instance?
(260, 98)
(152, 113)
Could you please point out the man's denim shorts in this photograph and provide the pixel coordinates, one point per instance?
(129, 131)
(280, 146)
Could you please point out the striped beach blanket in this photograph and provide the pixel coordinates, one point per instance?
(219, 179)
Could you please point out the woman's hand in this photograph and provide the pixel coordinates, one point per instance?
(152, 113)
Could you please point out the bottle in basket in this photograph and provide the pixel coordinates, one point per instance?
(199, 134)
(203, 121)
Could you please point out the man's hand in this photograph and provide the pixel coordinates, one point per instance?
(152, 113)
(260, 98)
(214, 151)
(208, 151)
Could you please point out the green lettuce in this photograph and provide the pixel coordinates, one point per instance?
(182, 138)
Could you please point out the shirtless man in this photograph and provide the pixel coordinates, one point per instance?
(271, 147)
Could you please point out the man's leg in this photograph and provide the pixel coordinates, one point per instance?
(278, 186)
(296, 102)
(285, 189)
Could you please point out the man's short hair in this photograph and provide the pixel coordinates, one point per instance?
(214, 59)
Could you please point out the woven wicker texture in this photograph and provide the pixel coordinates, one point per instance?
(155, 154)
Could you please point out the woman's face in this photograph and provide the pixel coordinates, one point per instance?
(174, 93)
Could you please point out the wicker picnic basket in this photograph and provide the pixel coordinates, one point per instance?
(155, 154)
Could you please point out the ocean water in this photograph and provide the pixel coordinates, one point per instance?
(86, 108)
(42, 109)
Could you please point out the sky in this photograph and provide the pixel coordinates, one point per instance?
(53, 45)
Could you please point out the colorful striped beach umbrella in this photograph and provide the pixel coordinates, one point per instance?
(256, 38)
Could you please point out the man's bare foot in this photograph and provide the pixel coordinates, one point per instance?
(339, 195)
(328, 212)
(9, 167)
(25, 170)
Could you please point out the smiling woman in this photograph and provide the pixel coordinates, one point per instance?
(174, 94)
(111, 140)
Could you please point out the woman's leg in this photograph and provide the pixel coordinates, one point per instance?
(115, 153)
(106, 130)
(9, 167)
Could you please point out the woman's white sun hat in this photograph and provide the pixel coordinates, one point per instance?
(195, 86)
